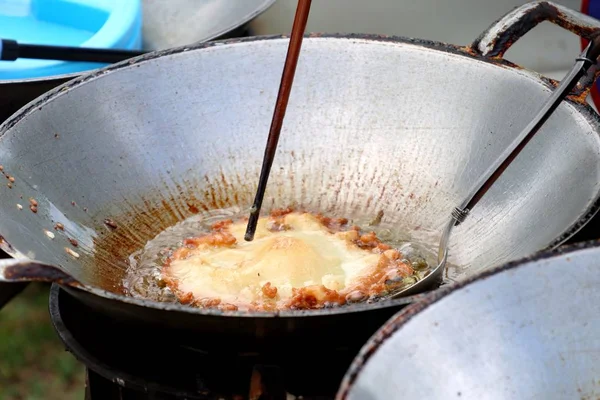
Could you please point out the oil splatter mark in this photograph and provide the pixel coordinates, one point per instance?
(110, 223)
(71, 253)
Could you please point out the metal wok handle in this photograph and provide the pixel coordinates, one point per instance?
(15, 270)
(15, 274)
(502, 34)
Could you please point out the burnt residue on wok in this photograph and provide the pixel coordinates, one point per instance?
(41, 272)
(142, 221)
(151, 214)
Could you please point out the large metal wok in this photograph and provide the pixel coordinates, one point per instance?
(526, 330)
(374, 123)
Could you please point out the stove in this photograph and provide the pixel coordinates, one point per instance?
(129, 362)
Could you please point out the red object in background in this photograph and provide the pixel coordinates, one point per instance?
(591, 8)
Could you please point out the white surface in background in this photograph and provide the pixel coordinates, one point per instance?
(547, 48)
(544, 48)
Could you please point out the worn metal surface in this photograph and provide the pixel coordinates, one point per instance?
(503, 33)
(509, 339)
(177, 22)
(22, 270)
(140, 145)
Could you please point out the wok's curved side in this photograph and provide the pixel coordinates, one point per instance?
(500, 318)
(140, 116)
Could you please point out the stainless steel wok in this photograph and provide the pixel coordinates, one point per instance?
(374, 124)
(526, 330)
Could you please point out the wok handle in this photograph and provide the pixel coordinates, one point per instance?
(502, 34)
(15, 270)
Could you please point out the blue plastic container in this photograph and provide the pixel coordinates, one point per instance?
(115, 24)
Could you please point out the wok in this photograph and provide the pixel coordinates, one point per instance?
(374, 123)
(525, 330)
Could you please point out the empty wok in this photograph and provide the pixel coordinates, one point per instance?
(374, 124)
(526, 330)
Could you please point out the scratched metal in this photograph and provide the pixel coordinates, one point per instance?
(374, 123)
(526, 330)
(503, 33)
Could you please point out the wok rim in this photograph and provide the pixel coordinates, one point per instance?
(403, 317)
(582, 107)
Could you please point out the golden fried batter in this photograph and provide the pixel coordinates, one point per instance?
(296, 261)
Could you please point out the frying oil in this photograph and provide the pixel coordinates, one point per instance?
(143, 278)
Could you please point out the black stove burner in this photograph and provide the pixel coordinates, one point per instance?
(129, 362)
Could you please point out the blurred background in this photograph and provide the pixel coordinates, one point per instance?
(547, 48)
(33, 362)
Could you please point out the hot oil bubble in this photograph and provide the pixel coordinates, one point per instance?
(143, 278)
